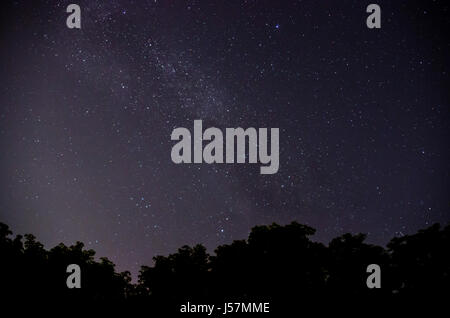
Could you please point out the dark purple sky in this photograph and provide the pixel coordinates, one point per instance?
(86, 117)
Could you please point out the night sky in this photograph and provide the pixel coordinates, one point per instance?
(86, 117)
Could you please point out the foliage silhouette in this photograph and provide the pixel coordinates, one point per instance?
(280, 264)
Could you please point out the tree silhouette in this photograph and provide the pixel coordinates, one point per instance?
(280, 264)
(420, 263)
(31, 273)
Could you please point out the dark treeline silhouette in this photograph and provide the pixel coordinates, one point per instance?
(276, 264)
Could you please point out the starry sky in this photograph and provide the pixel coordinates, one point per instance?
(86, 117)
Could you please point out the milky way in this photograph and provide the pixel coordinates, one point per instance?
(86, 117)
